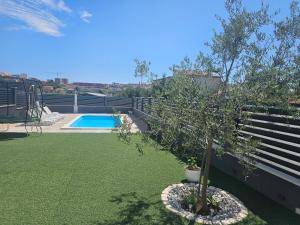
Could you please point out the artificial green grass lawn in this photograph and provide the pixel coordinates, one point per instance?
(96, 179)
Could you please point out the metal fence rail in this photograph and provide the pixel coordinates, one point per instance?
(87, 100)
(7, 96)
(279, 134)
(87, 104)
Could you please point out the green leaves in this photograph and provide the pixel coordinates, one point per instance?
(192, 163)
(142, 69)
(124, 133)
(254, 71)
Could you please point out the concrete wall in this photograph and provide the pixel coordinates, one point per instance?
(265, 180)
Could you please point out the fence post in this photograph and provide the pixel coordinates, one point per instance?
(132, 103)
(75, 103)
(149, 104)
(142, 106)
(14, 95)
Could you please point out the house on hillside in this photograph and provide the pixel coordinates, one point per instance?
(210, 81)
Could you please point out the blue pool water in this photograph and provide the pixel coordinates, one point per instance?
(93, 121)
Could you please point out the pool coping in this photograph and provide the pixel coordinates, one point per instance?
(68, 125)
(67, 117)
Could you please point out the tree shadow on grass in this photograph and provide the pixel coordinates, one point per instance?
(262, 209)
(135, 209)
(12, 136)
(138, 210)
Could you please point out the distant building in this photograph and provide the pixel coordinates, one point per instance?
(48, 89)
(89, 85)
(16, 76)
(4, 74)
(64, 80)
(20, 76)
(49, 81)
(57, 80)
(210, 81)
(61, 81)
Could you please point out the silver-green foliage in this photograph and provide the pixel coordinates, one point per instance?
(256, 68)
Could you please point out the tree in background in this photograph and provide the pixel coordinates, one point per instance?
(159, 87)
(134, 92)
(141, 69)
(257, 69)
(287, 34)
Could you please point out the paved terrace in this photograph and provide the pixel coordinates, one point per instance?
(58, 126)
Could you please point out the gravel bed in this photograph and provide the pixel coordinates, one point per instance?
(232, 210)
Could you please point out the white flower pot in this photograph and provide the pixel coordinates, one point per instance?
(192, 175)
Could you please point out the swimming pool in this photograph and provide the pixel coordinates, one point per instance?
(96, 121)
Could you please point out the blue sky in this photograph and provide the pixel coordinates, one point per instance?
(97, 40)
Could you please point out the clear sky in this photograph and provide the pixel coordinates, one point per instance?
(97, 40)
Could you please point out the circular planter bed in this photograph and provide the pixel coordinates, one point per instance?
(231, 209)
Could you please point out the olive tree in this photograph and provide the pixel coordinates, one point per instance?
(141, 69)
(257, 69)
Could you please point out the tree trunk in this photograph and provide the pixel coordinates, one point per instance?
(205, 175)
(201, 174)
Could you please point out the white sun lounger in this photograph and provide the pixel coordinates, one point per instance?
(47, 117)
(48, 112)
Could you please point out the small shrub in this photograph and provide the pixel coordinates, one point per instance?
(192, 164)
(125, 133)
(213, 204)
(189, 201)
